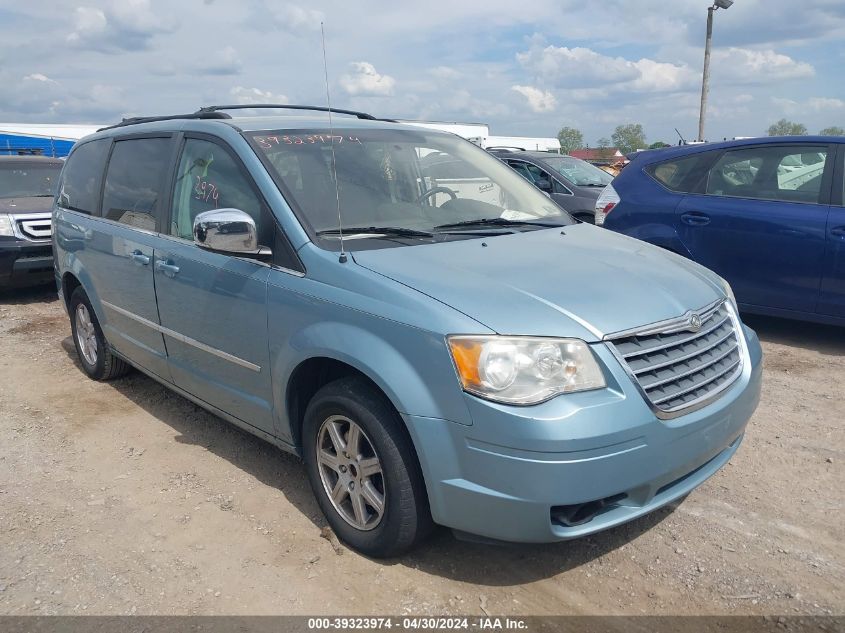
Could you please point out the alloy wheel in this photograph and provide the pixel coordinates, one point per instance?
(86, 335)
(351, 472)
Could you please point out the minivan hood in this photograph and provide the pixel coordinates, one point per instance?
(37, 204)
(579, 281)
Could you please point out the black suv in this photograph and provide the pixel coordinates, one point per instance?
(27, 187)
(571, 182)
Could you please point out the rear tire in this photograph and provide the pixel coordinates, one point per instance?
(379, 473)
(93, 350)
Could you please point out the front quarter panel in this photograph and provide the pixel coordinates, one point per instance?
(392, 334)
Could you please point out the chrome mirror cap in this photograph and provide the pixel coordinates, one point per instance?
(226, 230)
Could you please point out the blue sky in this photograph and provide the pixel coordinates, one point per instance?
(524, 68)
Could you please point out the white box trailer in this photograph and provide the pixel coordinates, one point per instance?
(526, 143)
(479, 133)
(465, 130)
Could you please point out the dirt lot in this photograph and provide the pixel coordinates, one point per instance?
(124, 498)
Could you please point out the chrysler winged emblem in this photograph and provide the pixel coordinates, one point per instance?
(694, 322)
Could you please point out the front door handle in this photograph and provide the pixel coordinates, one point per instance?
(167, 267)
(139, 258)
(838, 231)
(695, 218)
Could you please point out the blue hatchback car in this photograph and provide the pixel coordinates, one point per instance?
(766, 214)
(440, 346)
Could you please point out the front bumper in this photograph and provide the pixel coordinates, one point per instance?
(25, 263)
(516, 471)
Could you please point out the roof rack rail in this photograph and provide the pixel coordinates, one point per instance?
(280, 106)
(170, 117)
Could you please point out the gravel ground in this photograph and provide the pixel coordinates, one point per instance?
(122, 498)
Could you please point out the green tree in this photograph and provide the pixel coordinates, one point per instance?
(787, 128)
(629, 137)
(658, 145)
(603, 145)
(570, 139)
(834, 130)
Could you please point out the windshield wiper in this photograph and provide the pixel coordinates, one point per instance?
(376, 231)
(494, 222)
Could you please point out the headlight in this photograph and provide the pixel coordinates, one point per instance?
(6, 226)
(523, 370)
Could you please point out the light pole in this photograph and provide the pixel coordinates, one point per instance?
(705, 79)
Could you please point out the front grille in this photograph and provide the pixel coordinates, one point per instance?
(679, 366)
(35, 228)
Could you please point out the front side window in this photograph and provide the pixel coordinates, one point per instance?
(209, 178)
(28, 179)
(82, 176)
(421, 181)
(522, 169)
(134, 181)
(789, 174)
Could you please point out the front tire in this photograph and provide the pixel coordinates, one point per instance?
(363, 469)
(91, 346)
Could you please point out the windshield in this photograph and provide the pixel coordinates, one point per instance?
(578, 172)
(422, 182)
(25, 181)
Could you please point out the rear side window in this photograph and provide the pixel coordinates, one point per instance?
(83, 173)
(134, 181)
(790, 174)
(678, 174)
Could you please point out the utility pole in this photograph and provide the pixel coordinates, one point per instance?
(705, 78)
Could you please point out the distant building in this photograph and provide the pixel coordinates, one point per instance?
(606, 155)
(41, 138)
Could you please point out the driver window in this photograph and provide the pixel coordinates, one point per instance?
(209, 178)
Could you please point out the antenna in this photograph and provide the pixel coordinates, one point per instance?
(683, 140)
(342, 258)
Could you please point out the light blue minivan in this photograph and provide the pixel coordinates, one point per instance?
(435, 338)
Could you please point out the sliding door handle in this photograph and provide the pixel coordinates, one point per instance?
(139, 258)
(167, 268)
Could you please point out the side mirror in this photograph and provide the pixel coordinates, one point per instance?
(227, 231)
(544, 184)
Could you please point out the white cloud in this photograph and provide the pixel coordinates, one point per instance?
(121, 24)
(444, 72)
(248, 96)
(39, 77)
(295, 17)
(824, 103)
(364, 80)
(811, 105)
(87, 21)
(226, 61)
(538, 100)
(757, 66)
(584, 68)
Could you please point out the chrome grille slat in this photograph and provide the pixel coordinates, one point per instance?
(696, 386)
(699, 334)
(649, 368)
(693, 370)
(677, 367)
